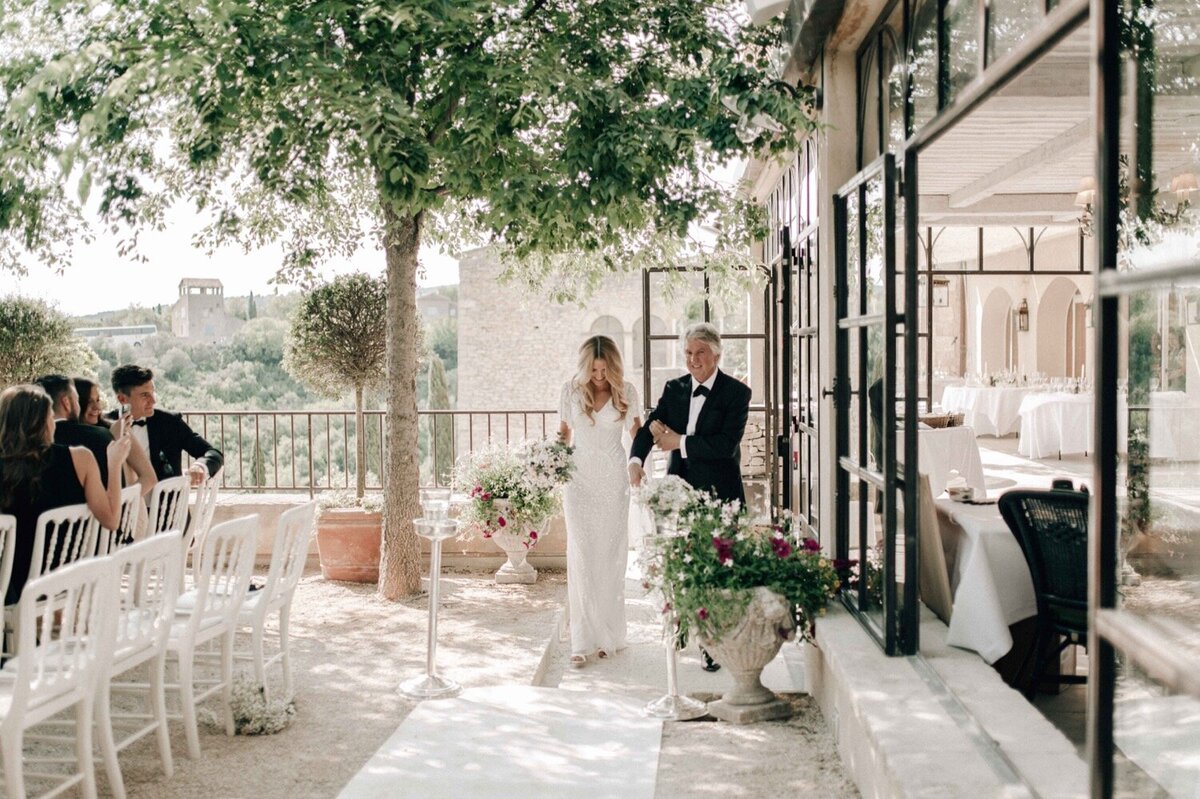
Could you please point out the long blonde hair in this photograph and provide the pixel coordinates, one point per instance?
(605, 349)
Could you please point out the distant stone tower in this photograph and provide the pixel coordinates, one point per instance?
(199, 314)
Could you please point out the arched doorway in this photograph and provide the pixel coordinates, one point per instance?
(997, 351)
(1056, 316)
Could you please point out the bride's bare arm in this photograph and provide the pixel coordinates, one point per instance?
(564, 432)
(637, 425)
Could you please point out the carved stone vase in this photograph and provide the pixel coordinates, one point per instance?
(514, 539)
(744, 649)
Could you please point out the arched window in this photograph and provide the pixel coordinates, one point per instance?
(610, 326)
(660, 351)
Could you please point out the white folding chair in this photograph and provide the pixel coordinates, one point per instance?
(168, 505)
(66, 640)
(204, 503)
(208, 612)
(288, 556)
(63, 535)
(148, 576)
(128, 523)
(8, 535)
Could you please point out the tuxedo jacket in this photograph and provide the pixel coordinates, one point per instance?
(170, 437)
(94, 437)
(714, 450)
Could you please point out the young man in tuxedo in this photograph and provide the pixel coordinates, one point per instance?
(165, 436)
(699, 419)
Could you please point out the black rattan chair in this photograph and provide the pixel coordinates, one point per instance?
(1052, 529)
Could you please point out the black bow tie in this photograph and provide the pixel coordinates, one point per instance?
(701, 391)
(139, 422)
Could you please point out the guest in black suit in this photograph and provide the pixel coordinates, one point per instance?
(699, 419)
(166, 436)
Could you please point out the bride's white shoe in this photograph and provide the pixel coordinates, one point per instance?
(578, 661)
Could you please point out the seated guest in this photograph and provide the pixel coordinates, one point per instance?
(37, 475)
(90, 402)
(71, 432)
(165, 436)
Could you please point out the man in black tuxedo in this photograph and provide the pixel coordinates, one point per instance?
(699, 419)
(165, 436)
(67, 428)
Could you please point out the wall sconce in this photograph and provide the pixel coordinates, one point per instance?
(1184, 186)
(941, 294)
(1023, 317)
(1087, 193)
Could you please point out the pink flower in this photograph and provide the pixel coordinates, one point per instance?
(781, 546)
(487, 533)
(533, 535)
(500, 521)
(667, 608)
(811, 545)
(486, 496)
(476, 491)
(702, 614)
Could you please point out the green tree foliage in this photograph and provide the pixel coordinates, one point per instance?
(36, 339)
(443, 426)
(442, 338)
(557, 127)
(251, 308)
(338, 341)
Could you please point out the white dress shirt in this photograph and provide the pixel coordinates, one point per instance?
(694, 412)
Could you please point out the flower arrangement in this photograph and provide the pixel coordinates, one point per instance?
(708, 557)
(512, 489)
(253, 714)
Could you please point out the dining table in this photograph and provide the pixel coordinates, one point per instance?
(1060, 423)
(943, 453)
(989, 577)
(989, 410)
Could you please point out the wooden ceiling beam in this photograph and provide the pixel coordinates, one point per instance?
(1061, 146)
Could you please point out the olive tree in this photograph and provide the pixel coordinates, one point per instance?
(338, 341)
(548, 126)
(35, 339)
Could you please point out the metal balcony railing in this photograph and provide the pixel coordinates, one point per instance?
(312, 451)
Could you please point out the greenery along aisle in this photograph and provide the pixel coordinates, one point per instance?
(552, 127)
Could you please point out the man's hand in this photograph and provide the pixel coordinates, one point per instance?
(666, 438)
(635, 475)
(198, 473)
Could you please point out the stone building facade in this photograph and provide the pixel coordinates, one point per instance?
(199, 314)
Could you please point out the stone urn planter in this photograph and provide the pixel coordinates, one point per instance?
(744, 649)
(515, 539)
(348, 541)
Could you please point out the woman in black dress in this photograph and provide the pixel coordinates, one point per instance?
(37, 475)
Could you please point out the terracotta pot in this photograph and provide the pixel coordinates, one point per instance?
(348, 540)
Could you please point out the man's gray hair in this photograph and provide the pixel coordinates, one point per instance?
(703, 331)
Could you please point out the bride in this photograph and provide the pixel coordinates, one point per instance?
(596, 409)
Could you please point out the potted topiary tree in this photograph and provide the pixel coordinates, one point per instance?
(337, 342)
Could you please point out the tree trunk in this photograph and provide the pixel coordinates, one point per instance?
(400, 567)
(360, 444)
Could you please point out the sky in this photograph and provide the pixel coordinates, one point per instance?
(99, 279)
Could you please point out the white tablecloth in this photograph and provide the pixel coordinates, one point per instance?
(988, 576)
(990, 410)
(1062, 424)
(940, 451)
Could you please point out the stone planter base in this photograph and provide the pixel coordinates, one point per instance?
(517, 569)
(749, 714)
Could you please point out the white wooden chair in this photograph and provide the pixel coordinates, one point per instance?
(63, 535)
(209, 612)
(8, 535)
(288, 556)
(168, 505)
(148, 576)
(128, 524)
(204, 503)
(66, 640)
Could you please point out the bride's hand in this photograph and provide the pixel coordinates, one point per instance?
(635, 475)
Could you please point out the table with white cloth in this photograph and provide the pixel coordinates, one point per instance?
(989, 578)
(990, 410)
(941, 451)
(1062, 424)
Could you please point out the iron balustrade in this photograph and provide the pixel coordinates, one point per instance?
(314, 450)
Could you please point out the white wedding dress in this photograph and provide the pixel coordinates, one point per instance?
(596, 502)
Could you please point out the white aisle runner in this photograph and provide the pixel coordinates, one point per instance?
(516, 741)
